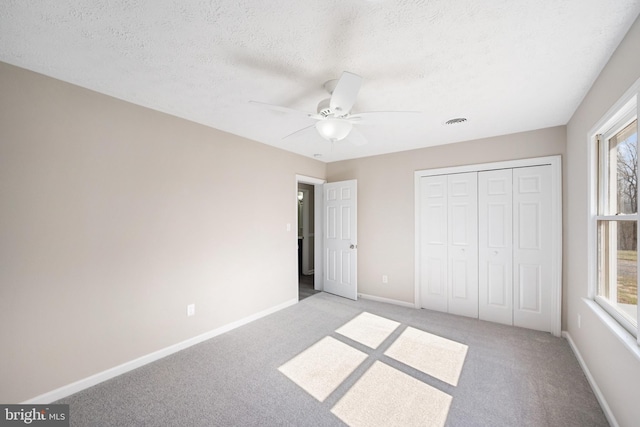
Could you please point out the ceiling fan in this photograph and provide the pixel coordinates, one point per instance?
(334, 118)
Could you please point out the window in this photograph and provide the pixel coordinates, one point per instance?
(616, 218)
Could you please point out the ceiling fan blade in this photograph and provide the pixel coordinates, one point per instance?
(378, 116)
(345, 93)
(299, 131)
(356, 137)
(282, 109)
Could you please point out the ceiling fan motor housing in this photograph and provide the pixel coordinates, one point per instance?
(324, 108)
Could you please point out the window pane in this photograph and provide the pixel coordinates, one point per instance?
(618, 266)
(623, 171)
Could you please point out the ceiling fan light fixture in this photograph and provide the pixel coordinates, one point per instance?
(334, 129)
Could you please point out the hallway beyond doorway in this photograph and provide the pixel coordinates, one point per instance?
(305, 286)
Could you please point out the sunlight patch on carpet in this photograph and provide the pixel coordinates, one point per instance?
(384, 396)
(436, 356)
(321, 368)
(368, 329)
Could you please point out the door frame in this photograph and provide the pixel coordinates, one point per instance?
(317, 228)
(556, 221)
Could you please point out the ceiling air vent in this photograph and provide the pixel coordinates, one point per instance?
(455, 121)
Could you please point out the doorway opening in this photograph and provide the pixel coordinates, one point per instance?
(306, 240)
(328, 249)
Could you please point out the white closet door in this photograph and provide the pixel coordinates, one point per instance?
(532, 260)
(495, 246)
(433, 230)
(463, 244)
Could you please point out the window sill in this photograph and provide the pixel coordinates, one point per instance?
(628, 340)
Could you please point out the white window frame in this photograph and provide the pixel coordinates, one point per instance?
(623, 112)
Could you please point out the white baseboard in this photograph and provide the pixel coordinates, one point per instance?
(592, 382)
(84, 383)
(387, 300)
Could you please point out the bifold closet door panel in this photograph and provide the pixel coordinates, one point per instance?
(532, 252)
(462, 233)
(495, 246)
(433, 242)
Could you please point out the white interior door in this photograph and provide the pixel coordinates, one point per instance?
(519, 218)
(463, 244)
(532, 254)
(340, 239)
(433, 241)
(495, 246)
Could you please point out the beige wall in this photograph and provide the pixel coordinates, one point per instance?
(386, 212)
(115, 217)
(614, 368)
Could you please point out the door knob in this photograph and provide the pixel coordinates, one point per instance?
(352, 246)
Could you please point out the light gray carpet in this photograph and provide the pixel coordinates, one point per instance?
(510, 376)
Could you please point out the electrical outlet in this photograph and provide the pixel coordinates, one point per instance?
(385, 278)
(191, 310)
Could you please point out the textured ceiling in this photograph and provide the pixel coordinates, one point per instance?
(506, 65)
